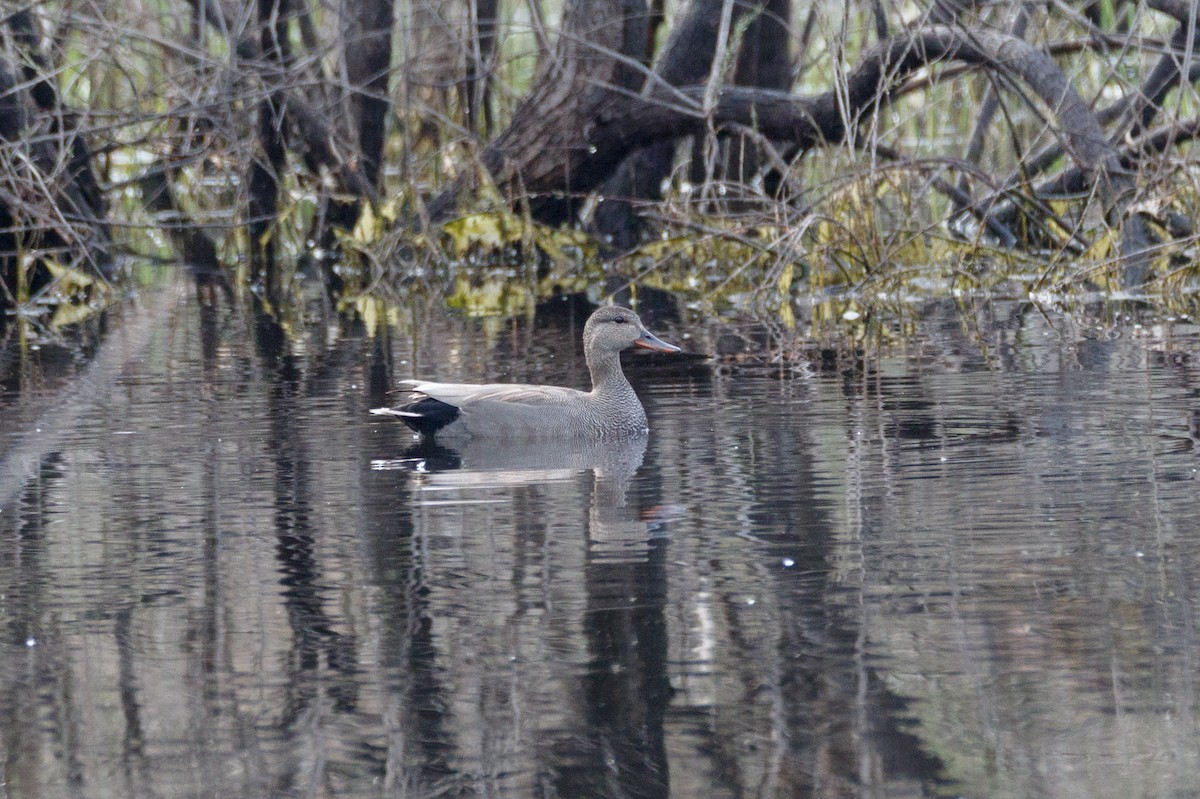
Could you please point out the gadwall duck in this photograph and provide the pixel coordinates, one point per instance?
(511, 410)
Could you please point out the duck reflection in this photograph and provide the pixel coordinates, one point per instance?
(476, 463)
(611, 741)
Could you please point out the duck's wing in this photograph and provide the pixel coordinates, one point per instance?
(461, 395)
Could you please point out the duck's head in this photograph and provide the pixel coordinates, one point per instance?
(612, 329)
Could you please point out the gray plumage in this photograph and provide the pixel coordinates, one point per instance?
(512, 410)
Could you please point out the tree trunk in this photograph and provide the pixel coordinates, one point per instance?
(368, 61)
(477, 88)
(269, 162)
(763, 61)
(686, 60)
(367, 50)
(543, 158)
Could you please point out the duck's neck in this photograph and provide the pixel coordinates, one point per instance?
(607, 377)
(614, 406)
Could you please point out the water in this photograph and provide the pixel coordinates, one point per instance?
(969, 566)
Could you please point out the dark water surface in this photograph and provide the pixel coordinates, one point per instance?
(967, 567)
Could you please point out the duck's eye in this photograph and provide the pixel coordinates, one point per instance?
(620, 320)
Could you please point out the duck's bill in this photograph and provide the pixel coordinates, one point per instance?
(653, 342)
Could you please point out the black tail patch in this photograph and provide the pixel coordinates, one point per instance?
(434, 415)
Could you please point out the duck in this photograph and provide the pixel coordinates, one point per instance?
(513, 410)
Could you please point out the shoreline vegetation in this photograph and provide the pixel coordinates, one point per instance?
(790, 164)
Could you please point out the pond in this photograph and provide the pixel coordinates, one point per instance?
(963, 564)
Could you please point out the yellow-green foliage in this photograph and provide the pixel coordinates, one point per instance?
(491, 233)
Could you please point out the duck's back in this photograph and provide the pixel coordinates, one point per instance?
(515, 410)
